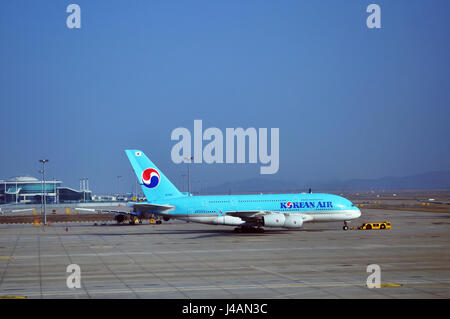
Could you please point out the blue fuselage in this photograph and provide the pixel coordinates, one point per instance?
(206, 209)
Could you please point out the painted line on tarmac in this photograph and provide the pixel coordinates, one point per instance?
(278, 274)
(209, 251)
(399, 284)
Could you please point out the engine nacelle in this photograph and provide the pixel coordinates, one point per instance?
(293, 221)
(280, 220)
(229, 220)
(274, 220)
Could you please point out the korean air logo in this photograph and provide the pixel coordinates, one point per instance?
(289, 204)
(150, 178)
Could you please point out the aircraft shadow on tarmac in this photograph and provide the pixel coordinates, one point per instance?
(267, 233)
(207, 233)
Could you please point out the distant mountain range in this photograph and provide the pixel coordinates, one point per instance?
(425, 181)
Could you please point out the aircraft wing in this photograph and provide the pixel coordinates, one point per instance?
(249, 214)
(153, 208)
(258, 214)
(11, 211)
(93, 210)
(144, 207)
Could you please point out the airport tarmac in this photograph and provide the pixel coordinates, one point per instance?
(188, 260)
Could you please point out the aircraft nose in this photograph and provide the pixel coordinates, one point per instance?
(357, 213)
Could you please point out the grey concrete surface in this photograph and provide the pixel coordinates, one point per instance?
(187, 260)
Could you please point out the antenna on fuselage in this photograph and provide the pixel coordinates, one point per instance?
(309, 191)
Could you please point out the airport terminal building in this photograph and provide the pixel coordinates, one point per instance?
(27, 189)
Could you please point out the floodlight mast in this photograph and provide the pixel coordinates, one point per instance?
(189, 173)
(43, 161)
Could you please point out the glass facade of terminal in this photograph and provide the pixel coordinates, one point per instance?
(31, 190)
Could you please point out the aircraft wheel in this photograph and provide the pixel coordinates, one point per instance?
(120, 219)
(345, 227)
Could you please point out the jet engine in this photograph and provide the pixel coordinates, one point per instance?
(274, 220)
(280, 220)
(229, 220)
(293, 221)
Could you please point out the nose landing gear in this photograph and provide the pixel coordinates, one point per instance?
(345, 226)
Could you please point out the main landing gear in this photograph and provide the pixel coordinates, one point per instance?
(249, 229)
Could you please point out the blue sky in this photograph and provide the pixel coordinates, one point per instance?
(350, 102)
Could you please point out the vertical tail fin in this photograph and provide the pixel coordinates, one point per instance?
(154, 183)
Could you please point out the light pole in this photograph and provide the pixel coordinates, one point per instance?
(199, 186)
(118, 178)
(189, 173)
(43, 161)
(137, 190)
(84, 189)
(183, 185)
(84, 186)
(55, 198)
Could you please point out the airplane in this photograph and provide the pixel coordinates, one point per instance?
(433, 201)
(248, 213)
(4, 212)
